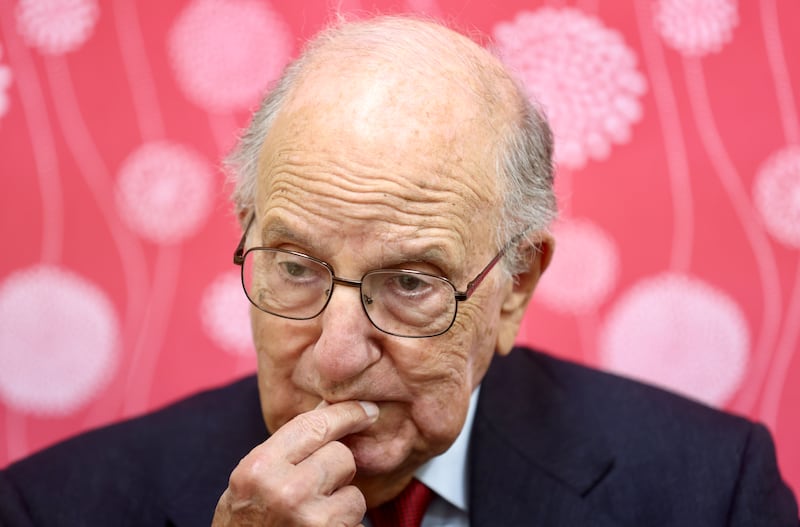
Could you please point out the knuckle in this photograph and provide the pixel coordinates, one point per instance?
(358, 501)
(291, 493)
(250, 478)
(244, 478)
(345, 456)
(313, 425)
(354, 502)
(340, 450)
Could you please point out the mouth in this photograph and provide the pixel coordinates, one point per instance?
(324, 401)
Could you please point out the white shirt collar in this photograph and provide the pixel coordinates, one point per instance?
(446, 474)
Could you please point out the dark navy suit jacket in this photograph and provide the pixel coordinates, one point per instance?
(553, 444)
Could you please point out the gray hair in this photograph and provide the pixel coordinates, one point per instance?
(524, 162)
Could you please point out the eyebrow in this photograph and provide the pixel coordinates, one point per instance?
(432, 254)
(279, 230)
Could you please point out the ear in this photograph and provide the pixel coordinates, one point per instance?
(519, 292)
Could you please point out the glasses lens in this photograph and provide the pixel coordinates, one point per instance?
(286, 284)
(409, 304)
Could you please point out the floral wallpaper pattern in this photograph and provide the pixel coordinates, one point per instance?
(678, 149)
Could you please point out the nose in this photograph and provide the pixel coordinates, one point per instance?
(347, 345)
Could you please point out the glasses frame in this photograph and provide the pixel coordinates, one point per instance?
(239, 255)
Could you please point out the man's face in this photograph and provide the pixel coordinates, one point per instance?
(379, 176)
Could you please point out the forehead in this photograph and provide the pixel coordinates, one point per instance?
(381, 154)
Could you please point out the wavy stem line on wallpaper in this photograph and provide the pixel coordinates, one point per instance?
(787, 347)
(16, 435)
(790, 119)
(147, 110)
(674, 141)
(780, 72)
(40, 132)
(142, 372)
(137, 69)
(760, 247)
(224, 130)
(94, 172)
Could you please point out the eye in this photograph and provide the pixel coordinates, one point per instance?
(409, 286)
(409, 282)
(295, 269)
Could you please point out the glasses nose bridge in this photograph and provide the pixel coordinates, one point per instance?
(356, 284)
(346, 282)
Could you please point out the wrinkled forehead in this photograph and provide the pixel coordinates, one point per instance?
(412, 136)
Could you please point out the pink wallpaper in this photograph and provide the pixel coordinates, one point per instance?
(678, 147)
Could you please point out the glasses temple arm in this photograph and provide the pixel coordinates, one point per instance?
(473, 285)
(238, 254)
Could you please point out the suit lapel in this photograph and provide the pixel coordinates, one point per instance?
(196, 474)
(532, 462)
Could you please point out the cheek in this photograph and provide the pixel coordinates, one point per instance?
(442, 417)
(441, 401)
(279, 347)
(278, 342)
(476, 328)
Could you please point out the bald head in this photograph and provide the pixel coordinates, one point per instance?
(370, 76)
(420, 56)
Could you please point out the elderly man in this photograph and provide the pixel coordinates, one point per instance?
(395, 189)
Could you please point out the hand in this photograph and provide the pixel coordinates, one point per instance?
(301, 475)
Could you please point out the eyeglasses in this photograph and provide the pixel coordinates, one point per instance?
(400, 302)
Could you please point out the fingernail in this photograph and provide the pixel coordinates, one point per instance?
(370, 408)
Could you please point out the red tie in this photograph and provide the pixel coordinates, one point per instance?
(406, 510)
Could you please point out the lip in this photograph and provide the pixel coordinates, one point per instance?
(383, 398)
(329, 402)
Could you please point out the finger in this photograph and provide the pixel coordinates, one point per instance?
(349, 504)
(345, 507)
(330, 467)
(307, 432)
